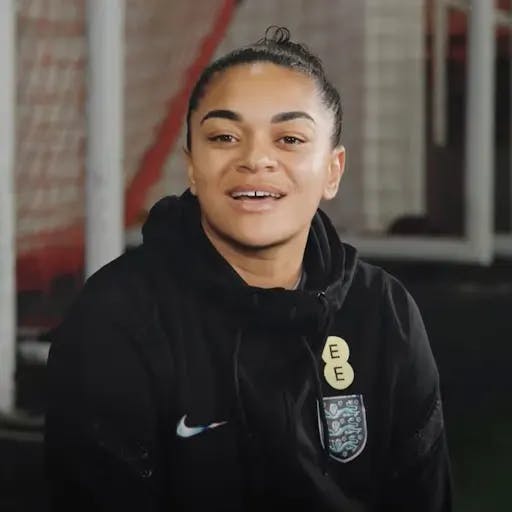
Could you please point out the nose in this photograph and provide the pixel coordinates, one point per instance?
(257, 156)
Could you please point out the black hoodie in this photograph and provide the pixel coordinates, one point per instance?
(176, 386)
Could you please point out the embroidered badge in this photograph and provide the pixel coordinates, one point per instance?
(337, 371)
(346, 421)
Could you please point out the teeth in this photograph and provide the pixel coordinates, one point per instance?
(255, 193)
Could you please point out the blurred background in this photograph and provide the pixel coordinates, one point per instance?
(93, 95)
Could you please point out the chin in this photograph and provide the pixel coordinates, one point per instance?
(254, 240)
(258, 244)
(253, 233)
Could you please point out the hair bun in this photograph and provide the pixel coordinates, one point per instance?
(277, 35)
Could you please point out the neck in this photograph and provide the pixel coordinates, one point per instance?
(278, 266)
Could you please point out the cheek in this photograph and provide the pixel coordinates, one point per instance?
(309, 170)
(207, 168)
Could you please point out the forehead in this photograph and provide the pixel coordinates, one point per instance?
(258, 87)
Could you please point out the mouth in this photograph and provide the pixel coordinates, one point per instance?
(255, 194)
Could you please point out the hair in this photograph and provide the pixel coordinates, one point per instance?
(277, 48)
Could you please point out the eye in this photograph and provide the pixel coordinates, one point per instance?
(223, 137)
(290, 139)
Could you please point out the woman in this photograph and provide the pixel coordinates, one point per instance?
(243, 358)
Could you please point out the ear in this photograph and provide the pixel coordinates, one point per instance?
(190, 170)
(335, 170)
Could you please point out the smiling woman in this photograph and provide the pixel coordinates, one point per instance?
(259, 363)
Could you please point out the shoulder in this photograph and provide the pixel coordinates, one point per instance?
(373, 281)
(119, 288)
(121, 274)
(389, 301)
(104, 326)
(118, 298)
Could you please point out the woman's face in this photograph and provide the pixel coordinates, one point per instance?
(261, 157)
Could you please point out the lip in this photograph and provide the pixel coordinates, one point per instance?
(254, 205)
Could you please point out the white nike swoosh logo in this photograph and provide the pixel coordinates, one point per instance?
(182, 430)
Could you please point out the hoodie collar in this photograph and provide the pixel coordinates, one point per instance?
(174, 230)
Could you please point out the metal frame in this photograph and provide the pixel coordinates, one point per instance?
(477, 246)
(503, 241)
(7, 206)
(440, 44)
(104, 168)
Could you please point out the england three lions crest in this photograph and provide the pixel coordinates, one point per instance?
(346, 421)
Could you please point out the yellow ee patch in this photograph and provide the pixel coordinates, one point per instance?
(337, 371)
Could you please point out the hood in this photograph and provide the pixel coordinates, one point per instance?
(173, 230)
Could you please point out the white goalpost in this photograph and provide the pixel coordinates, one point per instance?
(104, 167)
(7, 207)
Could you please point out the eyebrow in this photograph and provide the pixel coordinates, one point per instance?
(223, 114)
(278, 118)
(288, 116)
